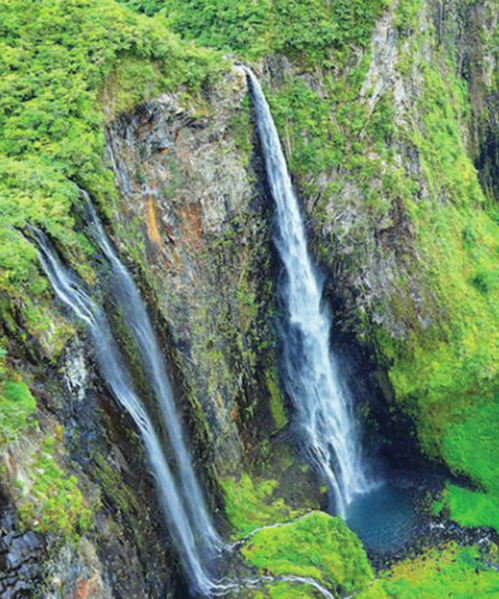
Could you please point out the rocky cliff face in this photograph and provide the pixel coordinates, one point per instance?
(191, 213)
(81, 466)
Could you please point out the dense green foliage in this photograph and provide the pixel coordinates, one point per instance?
(315, 546)
(148, 7)
(55, 57)
(309, 30)
(457, 572)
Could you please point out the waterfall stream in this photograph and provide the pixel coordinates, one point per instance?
(184, 509)
(185, 514)
(134, 309)
(322, 402)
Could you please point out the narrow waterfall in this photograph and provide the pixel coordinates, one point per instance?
(134, 309)
(321, 400)
(190, 536)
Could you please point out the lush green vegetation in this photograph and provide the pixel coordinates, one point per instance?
(453, 571)
(315, 546)
(309, 30)
(62, 61)
(446, 373)
(51, 500)
(251, 504)
(57, 57)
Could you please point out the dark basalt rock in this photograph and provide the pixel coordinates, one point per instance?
(21, 556)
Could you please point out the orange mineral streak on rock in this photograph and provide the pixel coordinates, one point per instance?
(87, 589)
(192, 227)
(80, 591)
(152, 225)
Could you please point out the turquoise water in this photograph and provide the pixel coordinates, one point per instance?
(384, 518)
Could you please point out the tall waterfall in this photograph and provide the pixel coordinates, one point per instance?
(134, 309)
(321, 400)
(184, 509)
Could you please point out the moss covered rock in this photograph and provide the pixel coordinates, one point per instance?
(315, 546)
(452, 571)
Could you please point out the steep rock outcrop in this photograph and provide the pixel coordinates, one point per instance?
(193, 214)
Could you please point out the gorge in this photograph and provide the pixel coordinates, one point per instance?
(248, 314)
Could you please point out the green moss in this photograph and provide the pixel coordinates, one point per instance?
(250, 504)
(470, 446)
(112, 484)
(242, 132)
(283, 590)
(54, 501)
(276, 401)
(315, 546)
(16, 406)
(471, 508)
(457, 572)
(470, 443)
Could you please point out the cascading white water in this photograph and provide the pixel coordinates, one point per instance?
(137, 318)
(189, 535)
(184, 530)
(322, 402)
